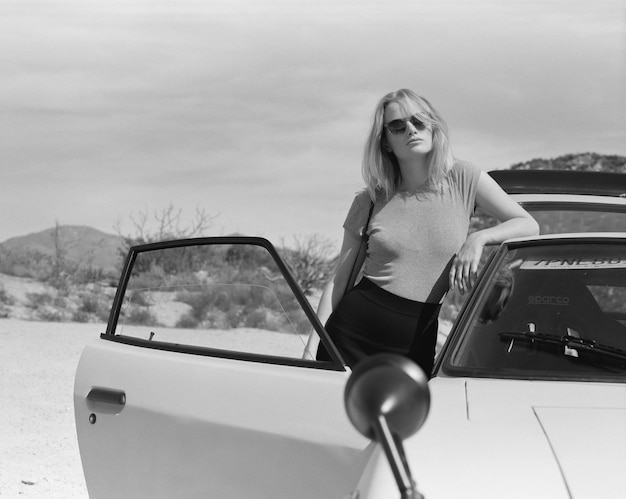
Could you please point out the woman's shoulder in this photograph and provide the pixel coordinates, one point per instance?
(464, 173)
(463, 180)
(358, 213)
(362, 196)
(462, 167)
(363, 199)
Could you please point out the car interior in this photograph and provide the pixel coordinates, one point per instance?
(537, 321)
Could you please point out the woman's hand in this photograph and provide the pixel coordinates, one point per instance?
(514, 222)
(465, 264)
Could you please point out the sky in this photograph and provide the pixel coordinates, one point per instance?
(256, 112)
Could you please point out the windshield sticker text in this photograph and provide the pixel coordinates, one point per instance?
(613, 262)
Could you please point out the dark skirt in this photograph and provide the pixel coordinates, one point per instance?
(370, 320)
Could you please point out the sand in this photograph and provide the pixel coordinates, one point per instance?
(39, 454)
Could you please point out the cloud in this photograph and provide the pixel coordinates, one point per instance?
(259, 110)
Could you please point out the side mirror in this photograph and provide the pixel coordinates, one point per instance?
(387, 400)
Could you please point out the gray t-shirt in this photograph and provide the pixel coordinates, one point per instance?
(414, 236)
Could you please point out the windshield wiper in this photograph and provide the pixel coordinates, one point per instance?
(570, 342)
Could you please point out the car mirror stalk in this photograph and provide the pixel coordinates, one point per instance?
(387, 399)
(394, 450)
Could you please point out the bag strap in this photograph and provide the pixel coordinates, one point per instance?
(362, 251)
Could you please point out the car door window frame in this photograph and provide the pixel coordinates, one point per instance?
(336, 364)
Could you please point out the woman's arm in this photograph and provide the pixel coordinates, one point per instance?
(514, 220)
(335, 288)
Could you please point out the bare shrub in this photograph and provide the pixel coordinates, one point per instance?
(92, 307)
(5, 298)
(312, 262)
(164, 225)
(141, 316)
(38, 300)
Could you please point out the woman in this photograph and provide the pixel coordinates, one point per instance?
(418, 246)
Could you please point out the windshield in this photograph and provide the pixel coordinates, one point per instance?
(560, 218)
(549, 312)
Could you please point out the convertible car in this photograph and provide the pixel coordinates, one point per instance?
(201, 385)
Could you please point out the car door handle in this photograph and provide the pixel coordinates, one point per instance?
(108, 396)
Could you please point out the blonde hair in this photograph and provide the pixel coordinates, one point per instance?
(380, 168)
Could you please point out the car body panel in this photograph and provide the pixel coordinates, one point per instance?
(240, 427)
(515, 439)
(590, 446)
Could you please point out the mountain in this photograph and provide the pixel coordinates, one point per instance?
(589, 161)
(84, 246)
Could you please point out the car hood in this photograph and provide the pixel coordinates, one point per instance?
(508, 438)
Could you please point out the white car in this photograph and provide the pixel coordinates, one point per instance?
(201, 385)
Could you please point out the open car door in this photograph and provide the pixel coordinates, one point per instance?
(201, 386)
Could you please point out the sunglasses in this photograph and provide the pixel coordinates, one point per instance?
(397, 127)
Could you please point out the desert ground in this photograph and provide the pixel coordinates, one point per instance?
(38, 449)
